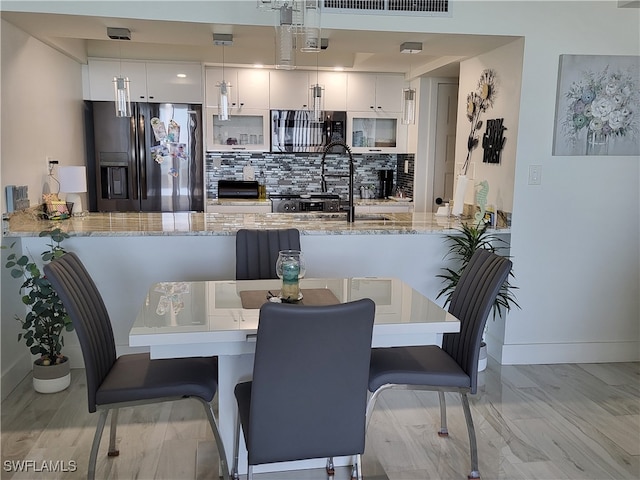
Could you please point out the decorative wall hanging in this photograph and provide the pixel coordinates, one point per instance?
(477, 103)
(598, 105)
(493, 140)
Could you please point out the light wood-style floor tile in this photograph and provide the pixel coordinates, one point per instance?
(533, 422)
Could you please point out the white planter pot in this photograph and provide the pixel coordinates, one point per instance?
(482, 358)
(51, 378)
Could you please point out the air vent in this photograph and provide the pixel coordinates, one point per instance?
(390, 6)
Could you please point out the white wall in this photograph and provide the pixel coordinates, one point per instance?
(575, 240)
(41, 111)
(41, 115)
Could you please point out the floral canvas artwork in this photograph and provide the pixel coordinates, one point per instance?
(598, 105)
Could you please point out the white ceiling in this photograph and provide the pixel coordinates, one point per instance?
(164, 40)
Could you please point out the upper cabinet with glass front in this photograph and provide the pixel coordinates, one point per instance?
(374, 106)
(245, 131)
(249, 88)
(373, 132)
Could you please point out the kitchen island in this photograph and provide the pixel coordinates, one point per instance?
(127, 252)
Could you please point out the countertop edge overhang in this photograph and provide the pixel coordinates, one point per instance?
(220, 224)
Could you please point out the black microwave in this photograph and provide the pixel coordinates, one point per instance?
(294, 131)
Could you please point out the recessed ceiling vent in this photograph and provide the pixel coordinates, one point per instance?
(430, 7)
(118, 33)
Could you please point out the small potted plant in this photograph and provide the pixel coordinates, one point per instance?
(461, 248)
(46, 319)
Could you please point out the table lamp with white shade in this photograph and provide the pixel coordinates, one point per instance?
(73, 181)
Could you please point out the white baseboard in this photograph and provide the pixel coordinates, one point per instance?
(536, 354)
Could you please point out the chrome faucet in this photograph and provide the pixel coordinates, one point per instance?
(351, 212)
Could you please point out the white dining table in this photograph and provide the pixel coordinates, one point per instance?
(206, 318)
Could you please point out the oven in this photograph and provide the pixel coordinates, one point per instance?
(301, 203)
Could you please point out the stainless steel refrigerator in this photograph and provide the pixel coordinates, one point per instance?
(150, 162)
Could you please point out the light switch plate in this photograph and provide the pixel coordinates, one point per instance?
(535, 174)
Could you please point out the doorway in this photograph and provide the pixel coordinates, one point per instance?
(445, 143)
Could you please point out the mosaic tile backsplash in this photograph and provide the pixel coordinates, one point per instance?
(300, 172)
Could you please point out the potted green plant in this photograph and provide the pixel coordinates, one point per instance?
(461, 248)
(46, 319)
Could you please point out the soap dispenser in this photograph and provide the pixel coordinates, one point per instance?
(262, 186)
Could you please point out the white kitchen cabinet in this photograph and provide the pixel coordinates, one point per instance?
(335, 89)
(148, 81)
(289, 90)
(376, 132)
(249, 88)
(174, 82)
(246, 131)
(368, 92)
(101, 73)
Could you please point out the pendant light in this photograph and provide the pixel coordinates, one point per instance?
(285, 39)
(408, 106)
(311, 27)
(224, 87)
(317, 98)
(121, 93)
(122, 96)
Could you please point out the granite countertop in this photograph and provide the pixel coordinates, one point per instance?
(185, 223)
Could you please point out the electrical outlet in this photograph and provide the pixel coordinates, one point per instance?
(51, 163)
(406, 166)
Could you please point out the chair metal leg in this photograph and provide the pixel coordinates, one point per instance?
(236, 448)
(356, 468)
(444, 432)
(113, 451)
(331, 469)
(224, 467)
(372, 402)
(473, 447)
(102, 419)
(250, 472)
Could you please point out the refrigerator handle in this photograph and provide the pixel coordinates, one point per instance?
(142, 156)
(133, 156)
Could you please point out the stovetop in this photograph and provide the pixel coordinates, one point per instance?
(303, 196)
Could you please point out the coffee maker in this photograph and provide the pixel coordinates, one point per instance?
(386, 183)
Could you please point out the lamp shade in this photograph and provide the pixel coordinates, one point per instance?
(73, 180)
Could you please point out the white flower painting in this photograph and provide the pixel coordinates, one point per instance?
(598, 105)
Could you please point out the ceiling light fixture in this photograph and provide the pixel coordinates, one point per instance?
(411, 47)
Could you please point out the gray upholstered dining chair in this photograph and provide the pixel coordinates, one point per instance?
(127, 380)
(454, 366)
(308, 395)
(257, 251)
